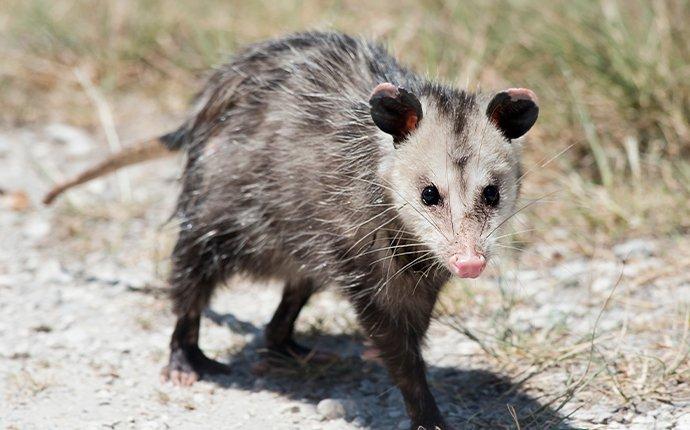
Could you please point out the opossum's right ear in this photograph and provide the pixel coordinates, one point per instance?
(395, 110)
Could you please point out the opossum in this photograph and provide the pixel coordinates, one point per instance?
(319, 160)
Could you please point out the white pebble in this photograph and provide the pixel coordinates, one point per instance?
(331, 409)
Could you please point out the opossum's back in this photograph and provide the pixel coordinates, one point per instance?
(332, 62)
(303, 73)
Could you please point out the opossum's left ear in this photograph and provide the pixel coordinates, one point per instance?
(513, 111)
(395, 110)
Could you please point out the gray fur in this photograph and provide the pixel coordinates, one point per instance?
(288, 177)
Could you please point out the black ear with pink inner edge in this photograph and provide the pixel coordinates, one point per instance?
(395, 110)
(513, 111)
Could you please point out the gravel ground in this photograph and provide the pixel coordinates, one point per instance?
(561, 340)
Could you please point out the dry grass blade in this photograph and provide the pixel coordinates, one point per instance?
(108, 123)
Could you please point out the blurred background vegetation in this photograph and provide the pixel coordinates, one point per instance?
(611, 150)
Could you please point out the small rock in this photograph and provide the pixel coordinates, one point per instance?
(331, 409)
(636, 248)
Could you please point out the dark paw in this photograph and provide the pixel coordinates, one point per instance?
(188, 365)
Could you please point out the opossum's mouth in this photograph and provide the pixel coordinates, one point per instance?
(468, 265)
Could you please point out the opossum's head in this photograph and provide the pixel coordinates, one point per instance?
(453, 169)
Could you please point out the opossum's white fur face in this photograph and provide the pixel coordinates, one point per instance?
(456, 179)
(455, 190)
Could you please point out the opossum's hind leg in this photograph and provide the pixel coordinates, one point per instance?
(195, 274)
(279, 331)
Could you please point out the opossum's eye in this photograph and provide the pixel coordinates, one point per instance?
(491, 195)
(430, 195)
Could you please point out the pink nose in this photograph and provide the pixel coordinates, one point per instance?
(467, 265)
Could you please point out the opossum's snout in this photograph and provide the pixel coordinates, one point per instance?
(467, 265)
(466, 256)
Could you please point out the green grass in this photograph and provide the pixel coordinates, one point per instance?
(613, 79)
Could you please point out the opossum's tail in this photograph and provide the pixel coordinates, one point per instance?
(147, 150)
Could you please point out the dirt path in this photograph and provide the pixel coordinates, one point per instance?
(84, 325)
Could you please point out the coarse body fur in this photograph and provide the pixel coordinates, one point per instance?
(290, 175)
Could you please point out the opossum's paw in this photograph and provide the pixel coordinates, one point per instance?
(188, 365)
(293, 351)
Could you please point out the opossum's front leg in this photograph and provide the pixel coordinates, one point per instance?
(279, 331)
(187, 362)
(398, 341)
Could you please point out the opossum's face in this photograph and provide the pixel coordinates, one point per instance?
(455, 168)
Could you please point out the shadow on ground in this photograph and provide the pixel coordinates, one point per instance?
(468, 398)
